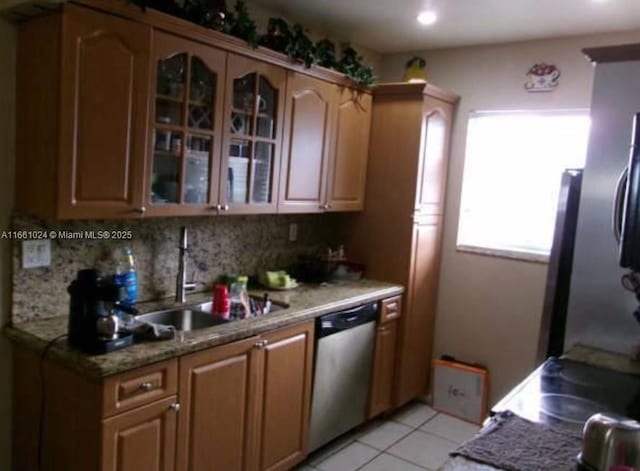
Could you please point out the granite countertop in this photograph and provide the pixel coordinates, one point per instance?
(305, 302)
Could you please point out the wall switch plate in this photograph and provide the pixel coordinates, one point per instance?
(36, 253)
(293, 232)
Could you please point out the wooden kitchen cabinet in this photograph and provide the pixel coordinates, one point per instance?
(286, 389)
(219, 406)
(309, 119)
(252, 135)
(348, 164)
(142, 439)
(186, 127)
(406, 180)
(245, 405)
(325, 147)
(138, 120)
(81, 137)
(240, 406)
(125, 422)
(384, 357)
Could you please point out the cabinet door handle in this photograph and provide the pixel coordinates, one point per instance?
(141, 210)
(175, 407)
(146, 387)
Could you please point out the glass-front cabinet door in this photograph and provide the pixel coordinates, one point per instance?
(252, 130)
(186, 127)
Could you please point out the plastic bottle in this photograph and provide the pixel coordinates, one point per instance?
(126, 276)
(239, 298)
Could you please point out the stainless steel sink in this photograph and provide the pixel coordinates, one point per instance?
(194, 317)
(208, 306)
(183, 318)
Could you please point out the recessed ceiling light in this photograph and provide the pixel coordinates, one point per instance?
(427, 17)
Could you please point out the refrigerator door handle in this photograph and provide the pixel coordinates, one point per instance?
(618, 203)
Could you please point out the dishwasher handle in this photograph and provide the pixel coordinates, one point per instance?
(343, 320)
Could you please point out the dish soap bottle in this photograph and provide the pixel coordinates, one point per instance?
(126, 276)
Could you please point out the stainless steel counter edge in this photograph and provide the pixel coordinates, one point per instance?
(304, 304)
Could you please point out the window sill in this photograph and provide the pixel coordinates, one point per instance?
(501, 253)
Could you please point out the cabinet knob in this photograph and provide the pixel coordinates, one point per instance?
(141, 210)
(225, 207)
(327, 206)
(261, 344)
(175, 407)
(146, 387)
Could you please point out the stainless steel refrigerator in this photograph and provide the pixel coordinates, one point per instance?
(600, 310)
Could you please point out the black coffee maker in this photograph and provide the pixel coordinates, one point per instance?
(93, 325)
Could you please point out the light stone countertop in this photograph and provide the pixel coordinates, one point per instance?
(305, 303)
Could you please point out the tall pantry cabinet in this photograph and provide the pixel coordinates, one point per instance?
(398, 235)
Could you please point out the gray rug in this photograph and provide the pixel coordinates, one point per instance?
(516, 444)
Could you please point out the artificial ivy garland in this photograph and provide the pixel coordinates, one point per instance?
(280, 37)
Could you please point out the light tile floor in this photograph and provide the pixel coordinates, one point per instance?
(416, 438)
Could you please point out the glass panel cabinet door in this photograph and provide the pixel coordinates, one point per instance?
(186, 127)
(253, 117)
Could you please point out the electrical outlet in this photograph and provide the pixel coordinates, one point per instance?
(36, 253)
(293, 232)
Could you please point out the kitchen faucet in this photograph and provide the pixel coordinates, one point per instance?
(182, 284)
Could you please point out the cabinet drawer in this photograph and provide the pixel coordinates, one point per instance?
(391, 309)
(141, 386)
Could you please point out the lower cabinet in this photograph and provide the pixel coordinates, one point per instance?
(141, 439)
(242, 406)
(245, 404)
(384, 357)
(286, 391)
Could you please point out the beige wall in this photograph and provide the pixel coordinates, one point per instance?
(489, 308)
(7, 159)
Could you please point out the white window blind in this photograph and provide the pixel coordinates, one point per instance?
(513, 165)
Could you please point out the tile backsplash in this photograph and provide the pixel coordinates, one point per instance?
(218, 245)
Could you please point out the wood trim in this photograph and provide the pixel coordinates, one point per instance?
(397, 89)
(621, 53)
(188, 30)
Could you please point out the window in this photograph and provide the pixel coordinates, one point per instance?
(513, 165)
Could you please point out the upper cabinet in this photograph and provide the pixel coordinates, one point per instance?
(309, 118)
(136, 122)
(325, 147)
(252, 136)
(186, 127)
(348, 166)
(81, 153)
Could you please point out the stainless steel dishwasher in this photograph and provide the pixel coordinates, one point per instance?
(344, 358)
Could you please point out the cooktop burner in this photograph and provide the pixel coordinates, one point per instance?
(567, 393)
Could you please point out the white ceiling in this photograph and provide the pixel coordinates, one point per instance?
(390, 25)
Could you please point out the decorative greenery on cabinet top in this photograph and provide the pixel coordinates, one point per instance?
(280, 36)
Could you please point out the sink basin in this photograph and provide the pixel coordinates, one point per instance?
(194, 317)
(183, 318)
(208, 306)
